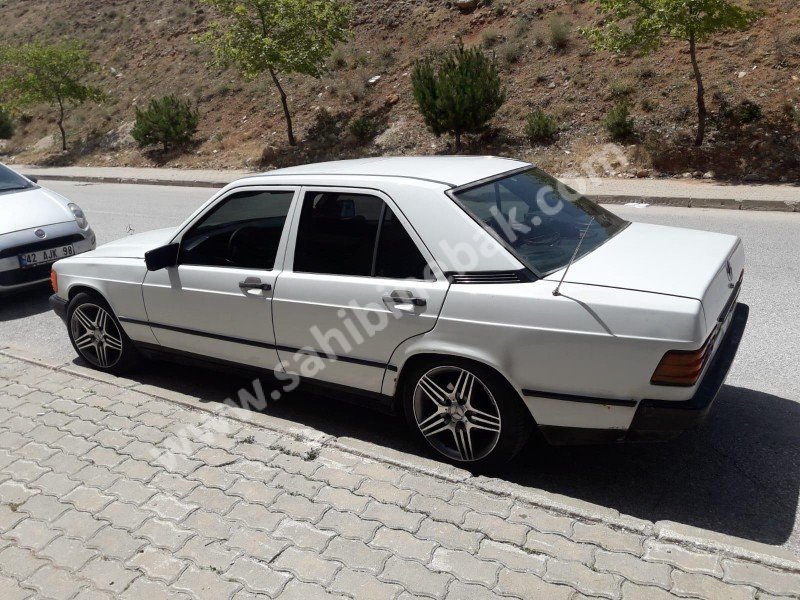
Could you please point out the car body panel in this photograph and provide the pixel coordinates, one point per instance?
(32, 220)
(32, 208)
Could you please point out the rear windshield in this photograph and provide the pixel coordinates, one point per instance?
(9, 180)
(539, 218)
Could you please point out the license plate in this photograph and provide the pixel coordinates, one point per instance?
(43, 257)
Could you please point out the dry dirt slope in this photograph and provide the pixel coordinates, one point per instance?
(146, 49)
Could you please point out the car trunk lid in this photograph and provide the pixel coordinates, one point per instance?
(665, 260)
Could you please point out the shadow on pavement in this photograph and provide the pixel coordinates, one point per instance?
(739, 474)
(20, 305)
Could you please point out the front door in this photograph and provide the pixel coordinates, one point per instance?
(358, 282)
(217, 302)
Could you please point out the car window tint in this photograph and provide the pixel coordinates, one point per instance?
(243, 231)
(398, 256)
(337, 233)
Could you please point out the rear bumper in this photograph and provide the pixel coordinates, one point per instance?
(662, 419)
(59, 306)
(659, 420)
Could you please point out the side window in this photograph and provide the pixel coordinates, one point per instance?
(398, 256)
(339, 234)
(243, 231)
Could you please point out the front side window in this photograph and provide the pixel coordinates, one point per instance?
(243, 231)
(539, 218)
(355, 234)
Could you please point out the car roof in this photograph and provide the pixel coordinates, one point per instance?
(452, 171)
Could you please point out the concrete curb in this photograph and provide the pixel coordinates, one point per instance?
(680, 202)
(132, 180)
(665, 531)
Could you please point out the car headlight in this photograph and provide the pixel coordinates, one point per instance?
(80, 218)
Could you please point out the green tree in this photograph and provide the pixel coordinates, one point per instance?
(48, 74)
(458, 94)
(273, 36)
(6, 124)
(168, 121)
(644, 24)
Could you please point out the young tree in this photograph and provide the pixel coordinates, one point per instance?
(273, 36)
(168, 121)
(41, 74)
(643, 25)
(459, 93)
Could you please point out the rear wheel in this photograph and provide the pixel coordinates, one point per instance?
(97, 336)
(467, 413)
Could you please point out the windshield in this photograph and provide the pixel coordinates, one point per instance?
(540, 218)
(9, 180)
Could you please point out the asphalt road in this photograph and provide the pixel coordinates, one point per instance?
(739, 474)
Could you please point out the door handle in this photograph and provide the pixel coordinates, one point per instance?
(254, 283)
(405, 298)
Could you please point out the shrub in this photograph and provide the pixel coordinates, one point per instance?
(746, 112)
(512, 51)
(458, 94)
(363, 128)
(618, 122)
(622, 88)
(6, 125)
(168, 121)
(325, 129)
(559, 33)
(490, 38)
(540, 128)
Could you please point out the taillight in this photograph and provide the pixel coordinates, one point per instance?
(683, 367)
(54, 280)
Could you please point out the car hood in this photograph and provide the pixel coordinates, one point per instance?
(35, 207)
(134, 246)
(665, 260)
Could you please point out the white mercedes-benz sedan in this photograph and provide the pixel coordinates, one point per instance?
(37, 227)
(476, 296)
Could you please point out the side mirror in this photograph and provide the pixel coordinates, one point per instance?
(33, 179)
(163, 257)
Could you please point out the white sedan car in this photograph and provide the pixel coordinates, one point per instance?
(476, 296)
(37, 227)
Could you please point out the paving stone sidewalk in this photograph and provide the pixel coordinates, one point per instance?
(108, 491)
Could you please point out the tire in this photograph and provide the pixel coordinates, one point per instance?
(465, 412)
(97, 336)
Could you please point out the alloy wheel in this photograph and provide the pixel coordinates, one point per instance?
(456, 413)
(96, 335)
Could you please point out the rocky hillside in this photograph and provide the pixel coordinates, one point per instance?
(146, 49)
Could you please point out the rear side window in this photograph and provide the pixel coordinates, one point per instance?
(243, 231)
(357, 235)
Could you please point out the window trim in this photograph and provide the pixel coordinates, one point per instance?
(435, 269)
(216, 203)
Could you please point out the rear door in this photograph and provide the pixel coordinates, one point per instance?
(218, 301)
(357, 283)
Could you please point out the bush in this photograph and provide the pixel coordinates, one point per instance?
(746, 112)
(458, 94)
(363, 128)
(6, 125)
(540, 128)
(325, 129)
(618, 122)
(168, 121)
(559, 34)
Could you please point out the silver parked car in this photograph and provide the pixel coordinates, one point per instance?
(37, 228)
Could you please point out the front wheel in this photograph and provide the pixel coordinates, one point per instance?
(467, 413)
(97, 336)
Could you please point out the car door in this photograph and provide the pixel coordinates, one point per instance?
(217, 302)
(357, 283)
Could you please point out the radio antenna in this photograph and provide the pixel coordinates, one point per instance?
(557, 291)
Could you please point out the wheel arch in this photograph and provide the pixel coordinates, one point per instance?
(427, 355)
